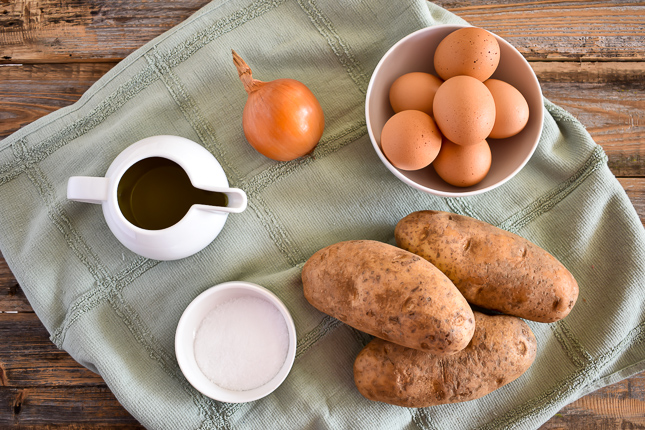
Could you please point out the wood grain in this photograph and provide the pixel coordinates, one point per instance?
(12, 299)
(579, 30)
(37, 31)
(63, 407)
(46, 31)
(30, 91)
(29, 358)
(613, 114)
(635, 189)
(608, 99)
(618, 406)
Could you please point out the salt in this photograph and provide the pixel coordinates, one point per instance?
(242, 343)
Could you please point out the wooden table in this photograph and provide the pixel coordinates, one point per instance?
(588, 55)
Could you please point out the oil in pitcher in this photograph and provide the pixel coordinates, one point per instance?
(155, 193)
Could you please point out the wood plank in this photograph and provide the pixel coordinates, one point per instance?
(29, 359)
(41, 31)
(607, 98)
(63, 407)
(579, 30)
(614, 115)
(28, 92)
(31, 30)
(12, 298)
(589, 72)
(635, 188)
(618, 406)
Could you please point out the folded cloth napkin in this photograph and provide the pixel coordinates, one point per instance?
(116, 312)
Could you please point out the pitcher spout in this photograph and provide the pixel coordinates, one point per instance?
(237, 201)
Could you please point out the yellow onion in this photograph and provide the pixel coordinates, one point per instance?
(282, 118)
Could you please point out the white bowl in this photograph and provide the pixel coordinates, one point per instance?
(190, 322)
(415, 53)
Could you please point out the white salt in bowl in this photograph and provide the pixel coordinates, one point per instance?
(221, 296)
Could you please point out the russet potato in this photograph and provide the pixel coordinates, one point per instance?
(493, 268)
(389, 293)
(502, 349)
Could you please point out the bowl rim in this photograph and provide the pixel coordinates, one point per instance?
(396, 171)
(200, 381)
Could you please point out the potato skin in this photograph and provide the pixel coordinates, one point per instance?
(492, 268)
(502, 348)
(389, 293)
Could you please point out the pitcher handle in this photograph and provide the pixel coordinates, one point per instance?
(87, 189)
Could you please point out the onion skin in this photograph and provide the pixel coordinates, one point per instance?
(282, 119)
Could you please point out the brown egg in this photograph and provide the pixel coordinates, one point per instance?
(463, 166)
(468, 51)
(410, 140)
(414, 91)
(511, 109)
(464, 110)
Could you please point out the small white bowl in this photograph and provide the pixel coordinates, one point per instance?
(415, 53)
(190, 322)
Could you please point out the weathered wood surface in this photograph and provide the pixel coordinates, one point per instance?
(37, 31)
(588, 55)
(618, 406)
(30, 359)
(30, 91)
(578, 30)
(53, 31)
(63, 407)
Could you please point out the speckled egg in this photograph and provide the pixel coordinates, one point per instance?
(463, 166)
(511, 109)
(468, 51)
(414, 91)
(464, 110)
(410, 140)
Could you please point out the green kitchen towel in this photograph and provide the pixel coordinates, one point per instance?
(116, 312)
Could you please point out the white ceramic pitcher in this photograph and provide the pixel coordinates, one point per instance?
(201, 224)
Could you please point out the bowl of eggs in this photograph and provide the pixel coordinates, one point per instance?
(454, 110)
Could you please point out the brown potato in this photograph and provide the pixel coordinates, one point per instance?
(389, 293)
(491, 267)
(502, 348)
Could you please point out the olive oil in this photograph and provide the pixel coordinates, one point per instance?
(155, 193)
